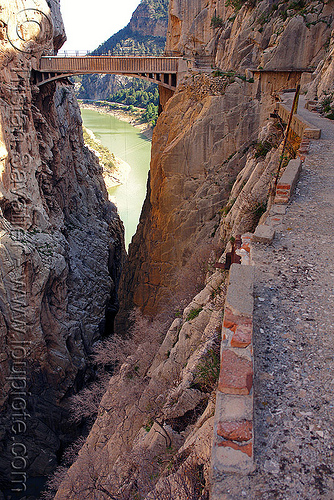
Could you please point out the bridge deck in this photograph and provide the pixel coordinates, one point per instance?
(110, 64)
(162, 69)
(166, 71)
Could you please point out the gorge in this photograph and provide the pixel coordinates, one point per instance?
(128, 144)
(215, 151)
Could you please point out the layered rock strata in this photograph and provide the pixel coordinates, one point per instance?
(61, 248)
(206, 127)
(154, 430)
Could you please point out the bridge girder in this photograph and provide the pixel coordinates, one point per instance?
(163, 70)
(166, 80)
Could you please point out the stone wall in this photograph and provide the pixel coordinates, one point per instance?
(233, 440)
(233, 432)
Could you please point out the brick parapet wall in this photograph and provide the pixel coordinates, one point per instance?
(299, 125)
(232, 449)
(233, 436)
(265, 232)
(288, 181)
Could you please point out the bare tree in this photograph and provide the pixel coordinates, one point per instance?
(190, 279)
(116, 355)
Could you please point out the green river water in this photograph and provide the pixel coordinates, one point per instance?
(128, 144)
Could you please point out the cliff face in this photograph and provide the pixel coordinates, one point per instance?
(153, 11)
(322, 87)
(61, 246)
(263, 35)
(202, 126)
(208, 180)
(209, 120)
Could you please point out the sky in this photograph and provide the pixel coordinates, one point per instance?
(89, 23)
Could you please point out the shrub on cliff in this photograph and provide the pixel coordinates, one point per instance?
(190, 279)
(109, 355)
(216, 22)
(327, 106)
(128, 359)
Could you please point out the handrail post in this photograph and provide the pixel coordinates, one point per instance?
(287, 130)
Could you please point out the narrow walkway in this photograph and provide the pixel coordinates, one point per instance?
(315, 119)
(294, 342)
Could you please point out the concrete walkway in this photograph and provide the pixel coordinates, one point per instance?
(315, 119)
(294, 342)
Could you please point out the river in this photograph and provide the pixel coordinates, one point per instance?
(128, 144)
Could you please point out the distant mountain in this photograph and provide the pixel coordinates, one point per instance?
(145, 34)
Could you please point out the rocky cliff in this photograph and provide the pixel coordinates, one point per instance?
(61, 248)
(153, 10)
(240, 34)
(214, 154)
(212, 119)
(322, 87)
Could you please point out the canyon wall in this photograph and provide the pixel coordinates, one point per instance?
(239, 35)
(322, 87)
(209, 120)
(61, 247)
(149, 19)
(214, 155)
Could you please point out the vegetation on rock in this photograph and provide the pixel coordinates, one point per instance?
(194, 313)
(327, 106)
(207, 373)
(141, 94)
(217, 22)
(106, 157)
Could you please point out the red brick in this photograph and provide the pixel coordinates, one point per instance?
(246, 448)
(281, 192)
(246, 246)
(232, 321)
(283, 186)
(281, 199)
(236, 374)
(242, 336)
(236, 431)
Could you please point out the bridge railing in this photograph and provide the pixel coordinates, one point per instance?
(122, 52)
(109, 64)
(72, 53)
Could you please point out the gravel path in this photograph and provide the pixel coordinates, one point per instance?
(294, 341)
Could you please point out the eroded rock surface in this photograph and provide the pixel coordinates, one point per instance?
(61, 248)
(211, 120)
(203, 163)
(270, 36)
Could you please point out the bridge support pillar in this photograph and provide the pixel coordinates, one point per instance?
(164, 95)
